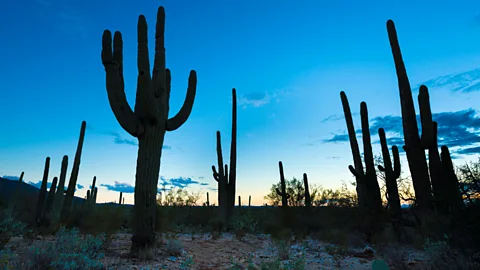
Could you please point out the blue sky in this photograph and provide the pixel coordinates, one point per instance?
(288, 60)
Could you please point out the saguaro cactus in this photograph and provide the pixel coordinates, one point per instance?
(67, 204)
(59, 195)
(357, 160)
(308, 200)
(453, 197)
(368, 190)
(414, 146)
(391, 174)
(282, 192)
(149, 121)
(42, 195)
(50, 200)
(227, 180)
(120, 199)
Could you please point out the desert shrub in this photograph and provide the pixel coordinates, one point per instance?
(243, 224)
(9, 227)
(104, 219)
(442, 256)
(69, 250)
(173, 247)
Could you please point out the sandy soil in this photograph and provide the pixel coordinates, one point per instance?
(202, 252)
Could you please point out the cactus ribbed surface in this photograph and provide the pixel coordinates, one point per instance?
(42, 195)
(227, 179)
(392, 173)
(414, 146)
(67, 204)
(149, 121)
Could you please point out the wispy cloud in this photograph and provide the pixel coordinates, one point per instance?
(258, 99)
(120, 187)
(63, 17)
(459, 130)
(168, 183)
(336, 117)
(180, 182)
(464, 82)
(117, 138)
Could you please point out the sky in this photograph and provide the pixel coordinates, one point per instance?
(288, 60)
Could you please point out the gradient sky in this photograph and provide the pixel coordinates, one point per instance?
(288, 60)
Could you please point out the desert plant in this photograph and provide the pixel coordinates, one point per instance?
(149, 121)
(67, 204)
(227, 179)
(414, 145)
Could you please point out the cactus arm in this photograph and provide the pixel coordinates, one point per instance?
(182, 115)
(146, 106)
(159, 64)
(113, 63)
(215, 173)
(353, 171)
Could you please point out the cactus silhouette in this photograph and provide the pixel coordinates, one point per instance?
(368, 190)
(227, 179)
(391, 173)
(357, 160)
(42, 195)
(414, 146)
(308, 199)
(67, 204)
(282, 192)
(149, 121)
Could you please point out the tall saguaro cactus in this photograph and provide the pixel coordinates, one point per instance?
(227, 179)
(368, 190)
(392, 173)
(414, 146)
(42, 195)
(149, 121)
(308, 199)
(67, 204)
(282, 192)
(357, 160)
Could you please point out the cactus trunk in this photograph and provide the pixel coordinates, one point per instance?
(283, 188)
(414, 149)
(357, 160)
(42, 195)
(308, 200)
(59, 194)
(227, 179)
(391, 174)
(67, 204)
